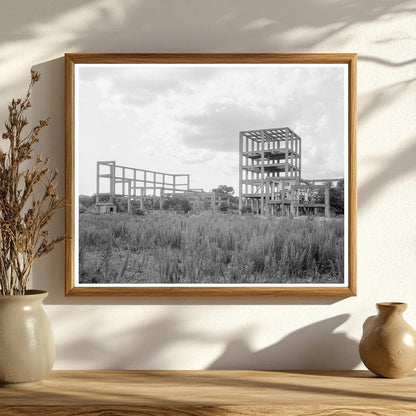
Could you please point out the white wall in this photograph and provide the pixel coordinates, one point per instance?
(194, 333)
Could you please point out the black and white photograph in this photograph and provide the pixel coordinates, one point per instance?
(211, 174)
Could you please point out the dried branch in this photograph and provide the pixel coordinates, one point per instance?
(23, 218)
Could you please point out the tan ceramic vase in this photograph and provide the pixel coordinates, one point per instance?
(27, 347)
(388, 344)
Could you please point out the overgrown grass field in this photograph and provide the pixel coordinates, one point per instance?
(209, 248)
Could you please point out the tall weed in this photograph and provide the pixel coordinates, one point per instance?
(209, 248)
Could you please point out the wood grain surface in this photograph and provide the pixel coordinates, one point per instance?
(202, 393)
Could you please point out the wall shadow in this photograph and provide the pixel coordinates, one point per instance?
(150, 26)
(241, 26)
(313, 347)
(397, 166)
(139, 347)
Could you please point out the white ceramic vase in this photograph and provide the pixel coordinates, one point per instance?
(27, 347)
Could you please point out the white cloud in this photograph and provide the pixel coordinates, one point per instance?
(322, 123)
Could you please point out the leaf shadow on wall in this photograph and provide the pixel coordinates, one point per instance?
(222, 26)
(152, 345)
(391, 170)
(315, 346)
(144, 346)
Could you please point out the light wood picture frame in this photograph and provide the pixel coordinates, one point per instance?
(210, 174)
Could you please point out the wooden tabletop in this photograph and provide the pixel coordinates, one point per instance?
(203, 393)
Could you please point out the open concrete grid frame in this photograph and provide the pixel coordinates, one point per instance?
(138, 184)
(270, 181)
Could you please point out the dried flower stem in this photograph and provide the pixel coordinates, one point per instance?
(23, 218)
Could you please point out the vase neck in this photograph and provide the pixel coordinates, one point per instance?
(390, 308)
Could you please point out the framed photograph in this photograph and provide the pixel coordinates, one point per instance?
(211, 174)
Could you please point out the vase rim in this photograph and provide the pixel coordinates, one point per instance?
(400, 306)
(30, 294)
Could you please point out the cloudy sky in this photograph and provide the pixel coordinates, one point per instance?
(186, 119)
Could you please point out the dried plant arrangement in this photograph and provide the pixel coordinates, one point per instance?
(28, 198)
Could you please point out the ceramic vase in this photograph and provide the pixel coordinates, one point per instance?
(27, 347)
(388, 345)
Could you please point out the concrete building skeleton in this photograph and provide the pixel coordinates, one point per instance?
(140, 184)
(270, 180)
